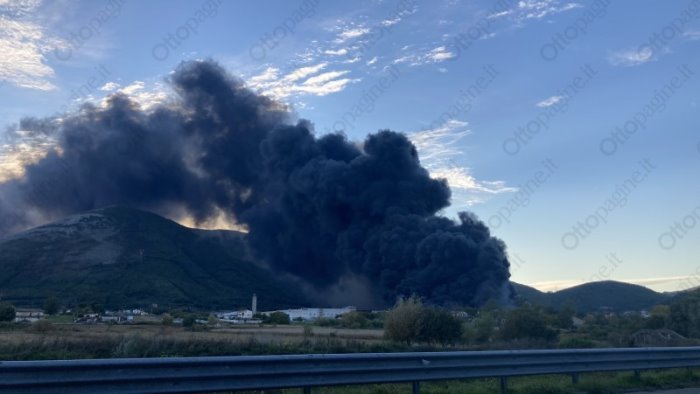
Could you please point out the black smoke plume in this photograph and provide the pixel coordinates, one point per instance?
(323, 209)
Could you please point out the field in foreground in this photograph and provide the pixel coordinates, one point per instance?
(69, 341)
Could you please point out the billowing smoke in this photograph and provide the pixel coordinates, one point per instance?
(323, 209)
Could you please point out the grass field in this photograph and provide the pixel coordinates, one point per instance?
(68, 341)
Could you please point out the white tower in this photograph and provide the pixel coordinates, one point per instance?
(255, 304)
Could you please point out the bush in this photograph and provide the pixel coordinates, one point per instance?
(167, 320)
(51, 306)
(410, 322)
(7, 312)
(42, 326)
(277, 318)
(401, 323)
(526, 323)
(353, 320)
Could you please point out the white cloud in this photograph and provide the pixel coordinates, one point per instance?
(391, 22)
(435, 55)
(338, 52)
(24, 45)
(440, 54)
(535, 9)
(439, 149)
(352, 33)
(145, 96)
(302, 81)
(372, 61)
(110, 87)
(692, 35)
(548, 102)
(632, 57)
(21, 149)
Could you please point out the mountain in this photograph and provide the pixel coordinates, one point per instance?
(122, 257)
(595, 296)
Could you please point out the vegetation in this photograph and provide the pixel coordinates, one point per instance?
(52, 305)
(7, 312)
(152, 260)
(410, 321)
(277, 318)
(591, 297)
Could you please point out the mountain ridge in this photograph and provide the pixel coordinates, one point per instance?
(124, 257)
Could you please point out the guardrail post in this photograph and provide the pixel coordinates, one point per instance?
(504, 385)
(416, 387)
(574, 378)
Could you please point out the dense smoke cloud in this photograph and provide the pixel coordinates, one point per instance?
(320, 208)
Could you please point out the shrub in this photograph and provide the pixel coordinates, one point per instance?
(401, 323)
(410, 322)
(526, 323)
(7, 312)
(277, 318)
(51, 306)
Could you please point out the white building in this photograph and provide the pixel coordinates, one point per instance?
(28, 315)
(309, 314)
(235, 315)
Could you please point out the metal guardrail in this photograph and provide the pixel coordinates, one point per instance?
(210, 374)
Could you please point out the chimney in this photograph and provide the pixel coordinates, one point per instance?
(255, 304)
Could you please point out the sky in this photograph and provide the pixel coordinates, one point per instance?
(570, 127)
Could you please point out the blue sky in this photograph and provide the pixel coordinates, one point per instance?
(570, 127)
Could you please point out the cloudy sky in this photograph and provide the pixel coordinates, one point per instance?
(570, 127)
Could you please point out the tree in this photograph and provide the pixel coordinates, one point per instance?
(565, 316)
(438, 326)
(353, 320)
(212, 321)
(401, 323)
(189, 321)
(278, 318)
(51, 305)
(7, 312)
(167, 320)
(484, 326)
(523, 323)
(684, 316)
(410, 322)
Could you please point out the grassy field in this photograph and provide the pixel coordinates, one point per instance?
(68, 341)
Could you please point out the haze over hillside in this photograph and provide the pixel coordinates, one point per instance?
(124, 257)
(596, 296)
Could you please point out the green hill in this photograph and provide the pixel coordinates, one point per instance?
(123, 257)
(596, 296)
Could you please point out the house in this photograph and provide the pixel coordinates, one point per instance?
(28, 315)
(310, 314)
